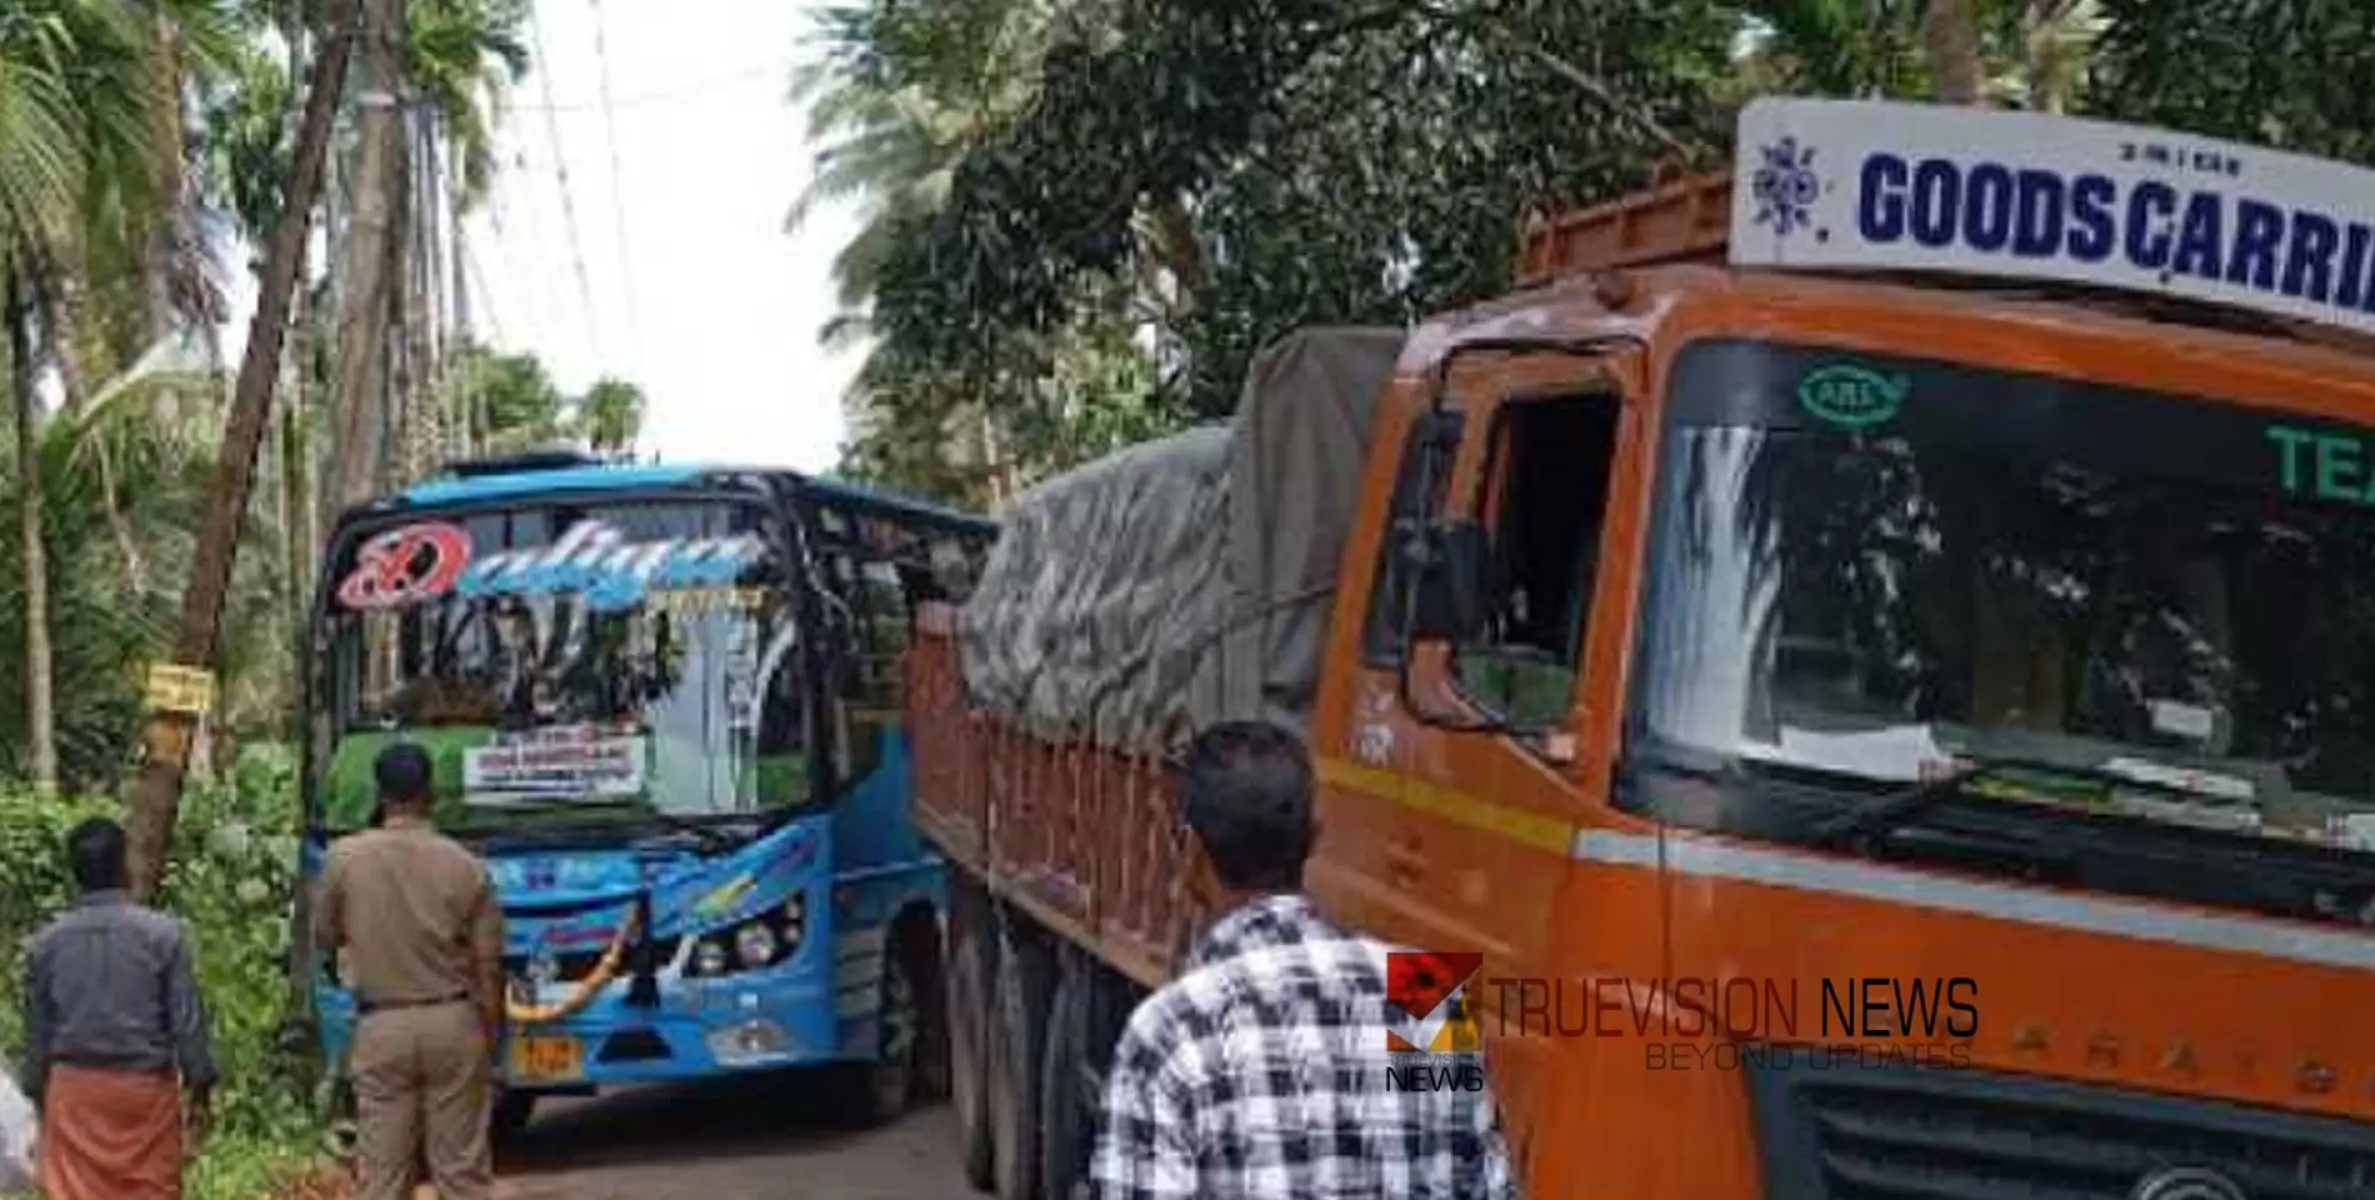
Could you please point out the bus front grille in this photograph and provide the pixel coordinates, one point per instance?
(574, 966)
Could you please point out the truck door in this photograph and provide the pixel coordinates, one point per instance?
(1449, 827)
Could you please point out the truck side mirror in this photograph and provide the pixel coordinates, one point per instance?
(1446, 562)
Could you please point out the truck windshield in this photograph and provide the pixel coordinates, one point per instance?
(1867, 568)
(566, 665)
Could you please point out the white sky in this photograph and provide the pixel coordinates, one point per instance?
(720, 330)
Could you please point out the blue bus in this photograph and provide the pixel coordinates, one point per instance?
(663, 703)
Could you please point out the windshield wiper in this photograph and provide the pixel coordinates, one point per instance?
(713, 833)
(1892, 811)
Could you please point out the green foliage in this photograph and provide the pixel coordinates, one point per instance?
(245, 142)
(1176, 185)
(232, 881)
(610, 415)
(2298, 74)
(463, 55)
(511, 397)
(514, 404)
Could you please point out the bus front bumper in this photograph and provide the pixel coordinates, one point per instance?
(700, 1028)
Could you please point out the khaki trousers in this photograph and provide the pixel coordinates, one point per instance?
(422, 1093)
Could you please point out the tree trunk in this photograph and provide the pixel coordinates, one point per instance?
(1950, 40)
(296, 469)
(164, 274)
(393, 432)
(156, 797)
(2052, 31)
(459, 417)
(362, 319)
(41, 719)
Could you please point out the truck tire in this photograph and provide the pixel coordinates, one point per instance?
(1017, 1034)
(1068, 1080)
(966, 970)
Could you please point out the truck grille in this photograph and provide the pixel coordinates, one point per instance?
(1837, 1130)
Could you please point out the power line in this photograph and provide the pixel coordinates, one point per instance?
(474, 275)
(618, 190)
(666, 95)
(577, 258)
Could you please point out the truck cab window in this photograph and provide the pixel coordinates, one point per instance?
(1412, 508)
(1545, 496)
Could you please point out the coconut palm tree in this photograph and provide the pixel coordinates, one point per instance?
(83, 88)
(198, 636)
(610, 416)
(2025, 53)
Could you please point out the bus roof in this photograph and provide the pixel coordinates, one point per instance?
(630, 477)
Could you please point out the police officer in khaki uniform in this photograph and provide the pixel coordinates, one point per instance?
(423, 938)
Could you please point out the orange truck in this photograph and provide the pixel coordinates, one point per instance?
(1874, 651)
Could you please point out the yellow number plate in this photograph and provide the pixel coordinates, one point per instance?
(547, 1058)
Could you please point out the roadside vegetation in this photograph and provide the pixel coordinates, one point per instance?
(233, 870)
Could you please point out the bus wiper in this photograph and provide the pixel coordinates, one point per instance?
(712, 836)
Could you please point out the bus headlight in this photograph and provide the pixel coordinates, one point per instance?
(754, 945)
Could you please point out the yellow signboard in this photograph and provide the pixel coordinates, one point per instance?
(179, 689)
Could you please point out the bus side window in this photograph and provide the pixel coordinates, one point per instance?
(1545, 493)
(1381, 631)
(869, 700)
(783, 731)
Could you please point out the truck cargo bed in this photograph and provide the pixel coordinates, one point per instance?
(1087, 840)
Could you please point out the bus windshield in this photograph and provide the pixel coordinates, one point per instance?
(1870, 568)
(632, 662)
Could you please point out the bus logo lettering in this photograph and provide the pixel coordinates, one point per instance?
(595, 560)
(406, 565)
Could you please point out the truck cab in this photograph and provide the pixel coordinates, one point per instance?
(1889, 731)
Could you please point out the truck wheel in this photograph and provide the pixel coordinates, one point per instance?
(1068, 1097)
(1016, 1036)
(966, 970)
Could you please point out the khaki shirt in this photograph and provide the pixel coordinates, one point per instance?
(412, 909)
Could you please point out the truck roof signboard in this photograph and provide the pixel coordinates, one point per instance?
(1867, 185)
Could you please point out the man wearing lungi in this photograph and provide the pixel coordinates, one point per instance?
(116, 1036)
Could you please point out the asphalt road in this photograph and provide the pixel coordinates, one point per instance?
(773, 1137)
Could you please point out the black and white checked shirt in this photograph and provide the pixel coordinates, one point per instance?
(1261, 1074)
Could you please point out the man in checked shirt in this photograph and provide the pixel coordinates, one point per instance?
(1259, 1073)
